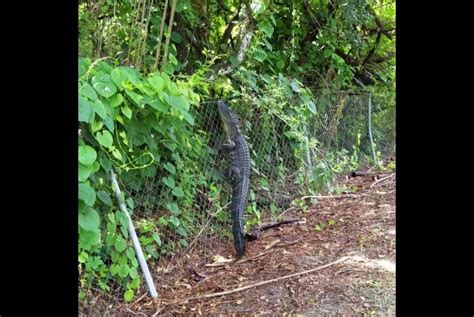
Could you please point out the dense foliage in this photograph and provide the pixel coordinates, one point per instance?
(145, 67)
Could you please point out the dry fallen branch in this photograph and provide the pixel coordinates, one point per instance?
(138, 300)
(360, 174)
(284, 212)
(256, 232)
(272, 244)
(382, 179)
(331, 196)
(238, 261)
(288, 243)
(243, 288)
(134, 313)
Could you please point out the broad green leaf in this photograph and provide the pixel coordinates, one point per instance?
(127, 111)
(99, 108)
(120, 244)
(173, 89)
(130, 203)
(87, 239)
(105, 198)
(291, 134)
(84, 172)
(84, 64)
(130, 253)
(173, 59)
(118, 77)
(96, 126)
(104, 138)
(260, 55)
(156, 237)
(257, 7)
(136, 98)
(182, 232)
(170, 168)
(273, 19)
(175, 221)
(89, 220)
(178, 192)
(267, 78)
(117, 154)
(128, 295)
(146, 89)
(173, 207)
(133, 272)
(156, 82)
(187, 117)
(158, 105)
(83, 257)
(114, 269)
(136, 282)
(178, 102)
(311, 106)
(116, 100)
(169, 69)
(123, 270)
(132, 74)
(105, 163)
(109, 123)
(169, 181)
(102, 65)
(105, 88)
(175, 37)
(87, 91)
(85, 110)
(295, 86)
(86, 194)
(87, 154)
(268, 29)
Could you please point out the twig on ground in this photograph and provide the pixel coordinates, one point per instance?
(134, 313)
(382, 179)
(238, 261)
(288, 243)
(272, 244)
(331, 196)
(138, 300)
(284, 212)
(243, 288)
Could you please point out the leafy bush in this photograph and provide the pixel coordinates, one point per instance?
(136, 125)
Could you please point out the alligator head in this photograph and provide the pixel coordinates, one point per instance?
(230, 120)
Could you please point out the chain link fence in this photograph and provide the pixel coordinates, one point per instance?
(276, 176)
(340, 122)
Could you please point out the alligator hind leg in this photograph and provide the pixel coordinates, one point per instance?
(234, 174)
(225, 175)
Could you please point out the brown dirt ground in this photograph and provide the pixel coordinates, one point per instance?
(363, 229)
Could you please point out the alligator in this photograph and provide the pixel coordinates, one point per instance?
(238, 174)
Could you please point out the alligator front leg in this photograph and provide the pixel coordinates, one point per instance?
(228, 146)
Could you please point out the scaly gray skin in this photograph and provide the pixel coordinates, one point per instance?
(238, 174)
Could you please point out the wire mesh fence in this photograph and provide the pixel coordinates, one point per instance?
(340, 123)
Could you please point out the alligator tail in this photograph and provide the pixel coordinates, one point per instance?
(238, 231)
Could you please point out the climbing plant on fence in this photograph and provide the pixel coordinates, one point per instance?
(140, 126)
(160, 134)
